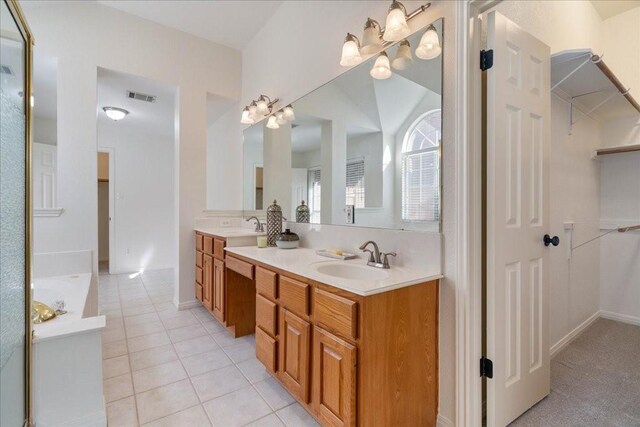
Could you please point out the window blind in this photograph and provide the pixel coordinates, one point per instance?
(314, 195)
(355, 183)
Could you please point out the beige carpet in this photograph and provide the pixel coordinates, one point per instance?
(595, 381)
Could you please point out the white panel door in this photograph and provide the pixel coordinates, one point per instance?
(518, 108)
(44, 158)
(298, 189)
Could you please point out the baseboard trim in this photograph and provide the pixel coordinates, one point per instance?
(624, 318)
(567, 339)
(186, 305)
(443, 421)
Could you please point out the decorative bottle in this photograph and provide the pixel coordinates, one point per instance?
(302, 213)
(274, 223)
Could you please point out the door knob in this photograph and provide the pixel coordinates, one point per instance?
(555, 240)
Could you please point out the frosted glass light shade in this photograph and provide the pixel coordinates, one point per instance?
(262, 107)
(381, 69)
(371, 40)
(246, 119)
(115, 113)
(280, 120)
(288, 113)
(396, 28)
(403, 59)
(272, 123)
(253, 110)
(429, 46)
(350, 52)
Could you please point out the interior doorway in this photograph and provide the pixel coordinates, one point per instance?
(105, 208)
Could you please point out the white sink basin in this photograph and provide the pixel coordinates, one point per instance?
(350, 271)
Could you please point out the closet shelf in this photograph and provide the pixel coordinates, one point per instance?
(616, 150)
(583, 79)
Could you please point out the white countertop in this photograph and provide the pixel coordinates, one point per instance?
(301, 261)
(229, 232)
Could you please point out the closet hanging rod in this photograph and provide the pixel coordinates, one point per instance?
(620, 229)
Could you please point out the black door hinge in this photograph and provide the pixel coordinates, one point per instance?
(486, 367)
(486, 59)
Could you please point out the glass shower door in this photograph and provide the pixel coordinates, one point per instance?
(14, 216)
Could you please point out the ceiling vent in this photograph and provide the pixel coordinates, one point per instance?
(141, 96)
(5, 69)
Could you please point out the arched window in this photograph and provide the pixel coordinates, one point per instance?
(421, 169)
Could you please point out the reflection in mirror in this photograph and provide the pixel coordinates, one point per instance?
(362, 151)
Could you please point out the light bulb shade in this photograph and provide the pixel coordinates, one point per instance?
(350, 52)
(115, 113)
(288, 113)
(381, 69)
(371, 40)
(396, 27)
(429, 46)
(280, 118)
(253, 110)
(272, 123)
(403, 59)
(262, 106)
(246, 117)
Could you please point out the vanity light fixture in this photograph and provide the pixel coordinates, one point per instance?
(246, 117)
(280, 120)
(257, 110)
(429, 47)
(381, 69)
(371, 37)
(350, 51)
(396, 27)
(403, 58)
(288, 113)
(272, 123)
(115, 113)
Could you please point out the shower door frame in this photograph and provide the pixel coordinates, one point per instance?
(25, 32)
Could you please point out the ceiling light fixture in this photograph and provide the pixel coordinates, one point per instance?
(381, 69)
(350, 51)
(403, 58)
(257, 110)
(396, 27)
(280, 118)
(371, 37)
(262, 106)
(115, 113)
(246, 117)
(429, 46)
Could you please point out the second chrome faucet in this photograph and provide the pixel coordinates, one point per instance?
(376, 258)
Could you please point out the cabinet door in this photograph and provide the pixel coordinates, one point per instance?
(207, 282)
(295, 336)
(334, 379)
(219, 290)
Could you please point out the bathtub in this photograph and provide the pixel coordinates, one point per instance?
(67, 354)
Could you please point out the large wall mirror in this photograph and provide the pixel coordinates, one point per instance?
(361, 151)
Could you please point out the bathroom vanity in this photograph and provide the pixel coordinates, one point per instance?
(352, 352)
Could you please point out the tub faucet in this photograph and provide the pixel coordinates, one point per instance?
(259, 226)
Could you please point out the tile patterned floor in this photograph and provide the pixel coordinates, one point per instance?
(164, 367)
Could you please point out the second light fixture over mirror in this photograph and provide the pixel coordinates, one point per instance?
(375, 38)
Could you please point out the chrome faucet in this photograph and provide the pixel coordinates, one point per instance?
(259, 225)
(376, 258)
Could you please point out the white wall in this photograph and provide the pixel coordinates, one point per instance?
(85, 36)
(621, 39)
(144, 197)
(279, 65)
(45, 131)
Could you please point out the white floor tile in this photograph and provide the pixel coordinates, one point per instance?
(152, 357)
(186, 333)
(274, 394)
(158, 375)
(192, 417)
(166, 400)
(296, 416)
(241, 352)
(195, 346)
(117, 388)
(237, 409)
(219, 382)
(268, 421)
(205, 362)
(139, 329)
(148, 341)
(115, 366)
(253, 370)
(114, 348)
(122, 413)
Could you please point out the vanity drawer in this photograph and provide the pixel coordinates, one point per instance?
(266, 283)
(266, 349)
(218, 248)
(240, 267)
(199, 241)
(199, 275)
(294, 296)
(336, 314)
(208, 245)
(198, 259)
(266, 315)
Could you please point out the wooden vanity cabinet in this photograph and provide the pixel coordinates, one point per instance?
(350, 360)
(210, 274)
